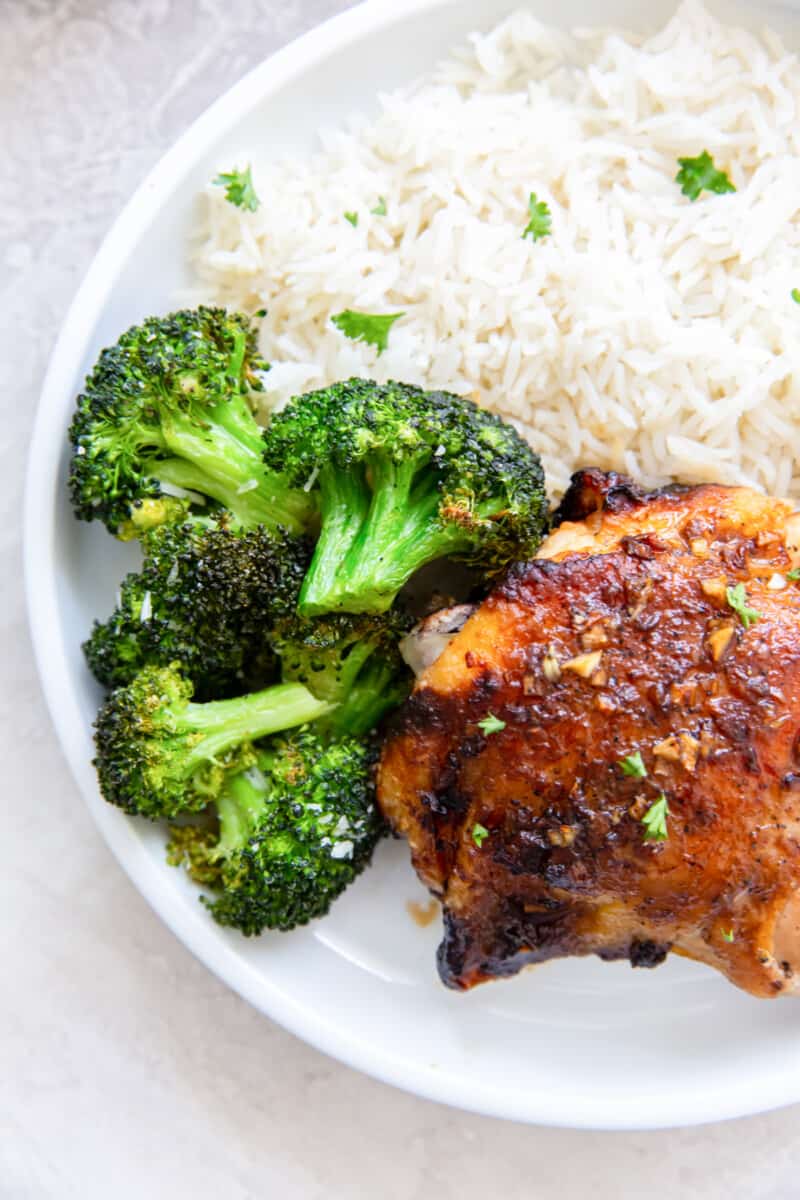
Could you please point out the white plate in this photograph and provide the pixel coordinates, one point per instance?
(576, 1043)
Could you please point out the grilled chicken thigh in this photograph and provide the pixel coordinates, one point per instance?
(605, 759)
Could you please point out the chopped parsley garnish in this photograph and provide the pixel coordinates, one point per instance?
(655, 820)
(479, 832)
(366, 327)
(796, 295)
(380, 208)
(540, 220)
(491, 724)
(633, 765)
(728, 935)
(352, 217)
(793, 575)
(239, 188)
(699, 174)
(737, 599)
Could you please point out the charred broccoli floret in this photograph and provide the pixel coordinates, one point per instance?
(159, 754)
(205, 598)
(352, 661)
(294, 830)
(404, 477)
(167, 409)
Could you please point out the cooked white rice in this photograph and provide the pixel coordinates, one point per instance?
(646, 333)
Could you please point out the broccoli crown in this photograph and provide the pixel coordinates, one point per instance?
(205, 598)
(352, 661)
(294, 831)
(195, 848)
(404, 476)
(168, 405)
(159, 754)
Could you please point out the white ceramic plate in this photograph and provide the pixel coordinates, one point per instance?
(576, 1043)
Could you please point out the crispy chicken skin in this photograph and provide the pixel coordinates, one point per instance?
(618, 638)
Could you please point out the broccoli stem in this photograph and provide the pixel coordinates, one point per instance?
(256, 506)
(369, 698)
(221, 724)
(364, 564)
(238, 809)
(335, 682)
(216, 461)
(237, 355)
(235, 417)
(344, 505)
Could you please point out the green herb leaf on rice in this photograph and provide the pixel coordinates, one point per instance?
(372, 328)
(239, 189)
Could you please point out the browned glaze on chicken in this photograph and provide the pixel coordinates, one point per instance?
(618, 639)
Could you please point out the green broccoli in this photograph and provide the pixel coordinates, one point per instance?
(404, 477)
(159, 754)
(167, 410)
(205, 597)
(351, 661)
(294, 830)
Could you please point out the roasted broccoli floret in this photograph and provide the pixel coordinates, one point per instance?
(351, 661)
(167, 409)
(294, 830)
(159, 754)
(404, 477)
(205, 598)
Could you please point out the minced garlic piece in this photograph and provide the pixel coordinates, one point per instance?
(584, 664)
(719, 641)
(715, 588)
(550, 666)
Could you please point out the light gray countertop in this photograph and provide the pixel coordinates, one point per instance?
(126, 1069)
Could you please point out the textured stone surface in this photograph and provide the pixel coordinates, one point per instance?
(126, 1070)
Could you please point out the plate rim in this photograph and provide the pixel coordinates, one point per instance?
(41, 592)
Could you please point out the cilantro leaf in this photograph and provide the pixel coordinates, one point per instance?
(655, 820)
(699, 174)
(491, 724)
(793, 575)
(479, 832)
(540, 219)
(796, 295)
(737, 599)
(239, 188)
(727, 935)
(633, 765)
(366, 327)
(380, 208)
(352, 217)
